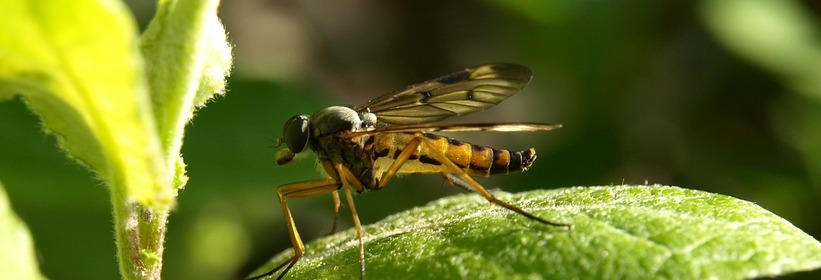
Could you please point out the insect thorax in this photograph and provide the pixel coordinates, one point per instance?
(352, 152)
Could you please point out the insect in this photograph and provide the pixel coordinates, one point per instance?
(364, 147)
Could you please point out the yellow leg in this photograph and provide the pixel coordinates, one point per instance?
(348, 177)
(399, 161)
(345, 173)
(467, 182)
(296, 190)
(329, 168)
(337, 205)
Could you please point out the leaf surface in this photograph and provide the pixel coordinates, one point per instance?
(622, 232)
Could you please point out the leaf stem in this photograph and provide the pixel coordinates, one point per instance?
(139, 233)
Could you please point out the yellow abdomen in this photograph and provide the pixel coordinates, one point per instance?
(476, 160)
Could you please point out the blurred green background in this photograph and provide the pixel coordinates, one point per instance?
(721, 96)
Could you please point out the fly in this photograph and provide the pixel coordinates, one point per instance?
(364, 147)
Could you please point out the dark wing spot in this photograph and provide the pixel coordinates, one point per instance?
(454, 78)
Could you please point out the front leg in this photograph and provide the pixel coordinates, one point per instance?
(296, 190)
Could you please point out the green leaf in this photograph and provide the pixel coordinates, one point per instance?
(76, 64)
(79, 66)
(188, 58)
(622, 232)
(17, 260)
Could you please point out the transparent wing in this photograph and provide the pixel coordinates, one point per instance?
(496, 127)
(464, 92)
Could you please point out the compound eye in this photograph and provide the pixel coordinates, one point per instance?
(296, 133)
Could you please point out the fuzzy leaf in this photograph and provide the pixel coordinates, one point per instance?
(76, 64)
(621, 232)
(188, 58)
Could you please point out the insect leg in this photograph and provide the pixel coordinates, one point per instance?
(464, 180)
(456, 181)
(348, 177)
(296, 190)
(399, 161)
(337, 205)
(330, 168)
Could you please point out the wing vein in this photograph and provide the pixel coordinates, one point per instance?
(471, 90)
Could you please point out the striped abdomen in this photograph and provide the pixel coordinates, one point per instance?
(476, 160)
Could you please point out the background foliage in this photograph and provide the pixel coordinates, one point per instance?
(717, 97)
